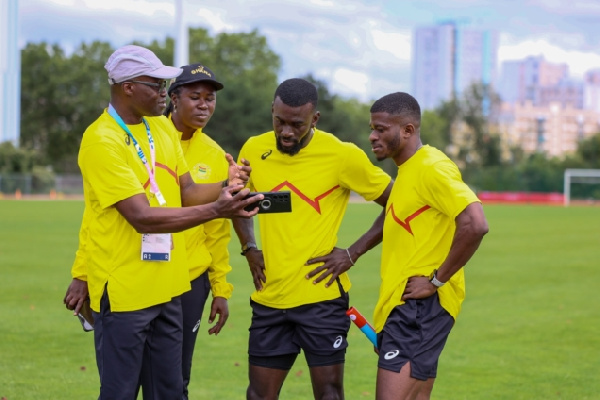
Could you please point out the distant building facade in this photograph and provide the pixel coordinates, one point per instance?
(448, 58)
(554, 129)
(544, 110)
(521, 80)
(10, 75)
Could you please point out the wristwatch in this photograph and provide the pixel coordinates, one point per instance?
(435, 281)
(246, 248)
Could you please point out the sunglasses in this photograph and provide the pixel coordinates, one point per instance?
(162, 86)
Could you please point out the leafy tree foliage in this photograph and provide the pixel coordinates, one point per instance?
(435, 130)
(60, 97)
(248, 68)
(16, 160)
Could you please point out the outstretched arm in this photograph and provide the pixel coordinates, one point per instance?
(145, 219)
(193, 194)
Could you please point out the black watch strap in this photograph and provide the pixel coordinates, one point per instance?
(246, 248)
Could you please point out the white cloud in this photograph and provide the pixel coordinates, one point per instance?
(396, 43)
(349, 82)
(360, 47)
(579, 62)
(69, 3)
(213, 19)
(143, 7)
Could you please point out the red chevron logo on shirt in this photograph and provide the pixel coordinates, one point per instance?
(406, 223)
(169, 170)
(313, 203)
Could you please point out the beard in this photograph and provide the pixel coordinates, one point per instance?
(295, 149)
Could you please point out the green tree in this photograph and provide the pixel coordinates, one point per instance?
(478, 146)
(60, 97)
(434, 130)
(41, 68)
(589, 151)
(16, 160)
(248, 68)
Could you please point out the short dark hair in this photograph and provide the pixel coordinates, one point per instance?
(398, 103)
(297, 92)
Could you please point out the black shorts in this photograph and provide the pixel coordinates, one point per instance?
(415, 331)
(319, 329)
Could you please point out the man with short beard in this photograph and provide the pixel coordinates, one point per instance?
(290, 309)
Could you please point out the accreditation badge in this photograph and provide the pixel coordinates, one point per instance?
(156, 246)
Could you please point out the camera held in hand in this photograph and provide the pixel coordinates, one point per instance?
(274, 202)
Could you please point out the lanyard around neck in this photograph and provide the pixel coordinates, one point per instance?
(151, 170)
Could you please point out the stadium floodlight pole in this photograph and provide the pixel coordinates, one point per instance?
(182, 40)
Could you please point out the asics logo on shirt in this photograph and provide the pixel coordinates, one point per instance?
(266, 154)
(338, 342)
(196, 326)
(391, 354)
(127, 140)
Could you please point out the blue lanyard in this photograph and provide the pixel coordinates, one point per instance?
(153, 184)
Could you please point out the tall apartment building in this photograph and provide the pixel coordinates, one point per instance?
(591, 90)
(10, 67)
(448, 58)
(544, 110)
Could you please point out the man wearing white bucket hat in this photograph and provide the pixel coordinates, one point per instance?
(135, 182)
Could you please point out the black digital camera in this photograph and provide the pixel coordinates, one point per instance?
(274, 202)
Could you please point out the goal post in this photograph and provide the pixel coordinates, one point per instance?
(576, 175)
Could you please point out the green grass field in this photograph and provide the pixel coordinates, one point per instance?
(529, 329)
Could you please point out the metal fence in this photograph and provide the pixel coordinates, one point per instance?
(28, 184)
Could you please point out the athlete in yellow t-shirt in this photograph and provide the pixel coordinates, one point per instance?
(289, 311)
(135, 182)
(193, 100)
(433, 225)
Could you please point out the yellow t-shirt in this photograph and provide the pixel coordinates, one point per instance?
(320, 178)
(112, 171)
(427, 196)
(207, 243)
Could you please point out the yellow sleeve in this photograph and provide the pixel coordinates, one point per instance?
(218, 233)
(445, 189)
(360, 175)
(79, 268)
(106, 170)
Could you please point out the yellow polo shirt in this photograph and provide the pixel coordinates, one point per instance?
(112, 171)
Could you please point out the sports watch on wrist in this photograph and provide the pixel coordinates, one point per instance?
(247, 247)
(435, 281)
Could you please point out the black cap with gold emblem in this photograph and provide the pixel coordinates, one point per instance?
(195, 73)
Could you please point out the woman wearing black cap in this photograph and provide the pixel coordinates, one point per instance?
(193, 97)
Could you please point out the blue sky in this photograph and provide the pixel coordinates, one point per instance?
(361, 48)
